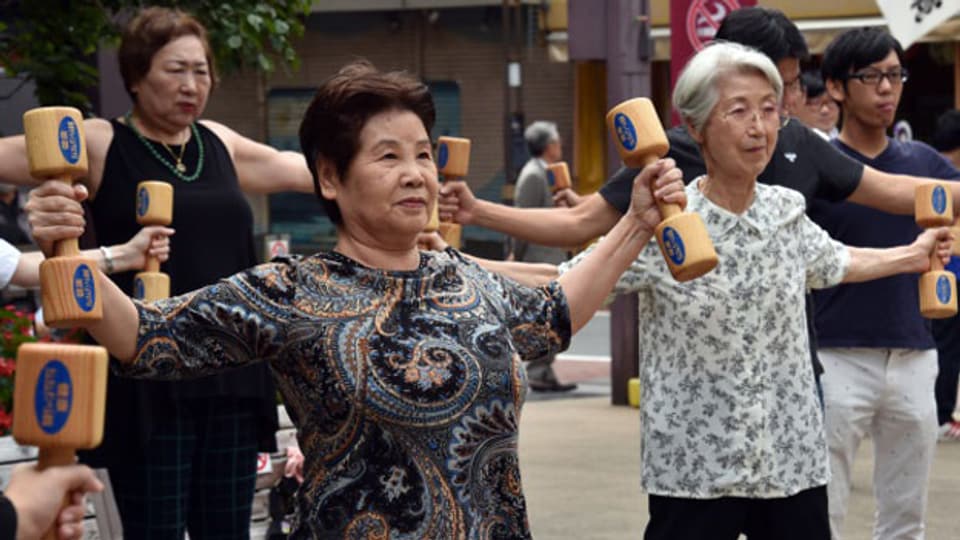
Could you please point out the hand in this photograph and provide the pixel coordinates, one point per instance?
(37, 496)
(294, 465)
(54, 212)
(566, 197)
(456, 202)
(431, 241)
(660, 181)
(153, 240)
(939, 238)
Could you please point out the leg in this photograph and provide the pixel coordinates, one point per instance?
(799, 517)
(225, 473)
(850, 394)
(151, 488)
(673, 518)
(905, 438)
(541, 376)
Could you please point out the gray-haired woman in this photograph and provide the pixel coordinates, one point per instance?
(732, 435)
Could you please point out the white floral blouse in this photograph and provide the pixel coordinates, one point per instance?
(729, 406)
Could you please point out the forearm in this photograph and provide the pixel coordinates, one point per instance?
(529, 274)
(588, 283)
(14, 168)
(873, 263)
(557, 227)
(893, 193)
(121, 259)
(117, 330)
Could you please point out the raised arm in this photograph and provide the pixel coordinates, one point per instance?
(262, 168)
(873, 263)
(895, 193)
(559, 226)
(13, 161)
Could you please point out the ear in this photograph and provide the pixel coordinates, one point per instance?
(694, 134)
(328, 178)
(837, 90)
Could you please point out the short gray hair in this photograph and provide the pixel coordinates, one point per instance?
(538, 135)
(695, 94)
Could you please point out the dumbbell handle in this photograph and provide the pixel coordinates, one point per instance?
(68, 246)
(667, 210)
(55, 457)
(450, 179)
(152, 265)
(935, 263)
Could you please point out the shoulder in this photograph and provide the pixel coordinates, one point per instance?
(780, 203)
(226, 135)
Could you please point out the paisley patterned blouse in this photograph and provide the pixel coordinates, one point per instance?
(406, 387)
(729, 406)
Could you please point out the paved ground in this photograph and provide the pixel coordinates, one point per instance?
(581, 468)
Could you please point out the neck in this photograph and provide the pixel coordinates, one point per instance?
(868, 140)
(159, 130)
(377, 255)
(729, 193)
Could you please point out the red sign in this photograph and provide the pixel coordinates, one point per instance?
(693, 23)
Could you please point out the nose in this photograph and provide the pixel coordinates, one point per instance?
(412, 174)
(188, 84)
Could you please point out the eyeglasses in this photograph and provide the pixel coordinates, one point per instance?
(744, 116)
(874, 76)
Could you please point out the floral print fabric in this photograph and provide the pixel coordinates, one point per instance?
(729, 404)
(406, 387)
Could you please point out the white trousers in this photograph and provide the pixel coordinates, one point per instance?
(887, 393)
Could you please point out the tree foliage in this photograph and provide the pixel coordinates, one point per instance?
(53, 42)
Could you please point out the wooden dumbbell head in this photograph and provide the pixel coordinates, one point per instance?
(69, 288)
(434, 223)
(558, 176)
(150, 286)
(154, 203)
(637, 132)
(55, 143)
(59, 395)
(938, 294)
(453, 156)
(686, 246)
(933, 205)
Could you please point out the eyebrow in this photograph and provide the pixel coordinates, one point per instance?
(199, 63)
(395, 142)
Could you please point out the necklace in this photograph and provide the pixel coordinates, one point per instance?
(180, 166)
(179, 169)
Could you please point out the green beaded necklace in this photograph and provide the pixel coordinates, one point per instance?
(196, 135)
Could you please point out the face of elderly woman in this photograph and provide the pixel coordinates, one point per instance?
(391, 183)
(741, 132)
(174, 92)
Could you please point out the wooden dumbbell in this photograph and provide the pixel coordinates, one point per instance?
(453, 162)
(60, 390)
(682, 237)
(433, 225)
(933, 207)
(55, 150)
(558, 176)
(154, 207)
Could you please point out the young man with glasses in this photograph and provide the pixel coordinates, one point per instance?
(879, 355)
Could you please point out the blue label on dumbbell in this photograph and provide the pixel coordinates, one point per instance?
(673, 245)
(84, 287)
(53, 398)
(939, 200)
(139, 290)
(143, 202)
(625, 131)
(943, 289)
(551, 178)
(70, 144)
(443, 154)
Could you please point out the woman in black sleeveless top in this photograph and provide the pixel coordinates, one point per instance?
(181, 456)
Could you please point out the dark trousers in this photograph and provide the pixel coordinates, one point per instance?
(800, 517)
(946, 386)
(198, 473)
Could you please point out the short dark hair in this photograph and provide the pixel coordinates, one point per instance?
(332, 124)
(765, 29)
(149, 32)
(947, 135)
(813, 84)
(856, 49)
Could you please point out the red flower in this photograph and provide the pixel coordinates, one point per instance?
(6, 420)
(7, 367)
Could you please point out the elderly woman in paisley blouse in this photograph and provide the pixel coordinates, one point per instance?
(731, 427)
(401, 368)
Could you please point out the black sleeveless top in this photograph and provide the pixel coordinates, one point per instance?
(213, 240)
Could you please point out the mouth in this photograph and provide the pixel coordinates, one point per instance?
(187, 107)
(412, 202)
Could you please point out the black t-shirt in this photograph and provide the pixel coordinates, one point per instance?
(802, 161)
